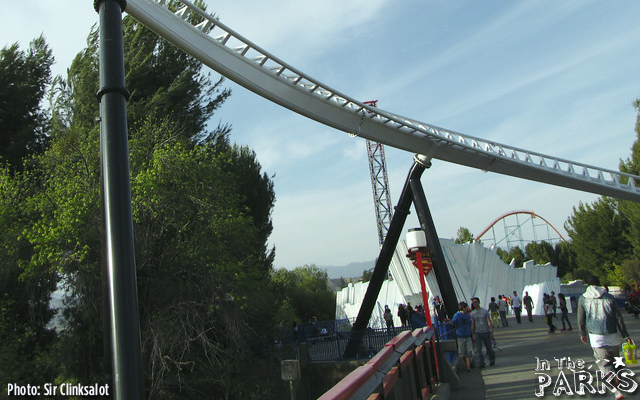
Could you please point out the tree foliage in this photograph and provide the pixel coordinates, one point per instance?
(367, 274)
(597, 232)
(565, 258)
(562, 256)
(196, 237)
(26, 340)
(464, 236)
(24, 80)
(303, 294)
(514, 254)
(540, 252)
(606, 234)
(631, 209)
(166, 82)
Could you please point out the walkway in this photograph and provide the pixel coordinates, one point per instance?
(513, 376)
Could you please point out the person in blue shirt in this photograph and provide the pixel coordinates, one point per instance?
(462, 323)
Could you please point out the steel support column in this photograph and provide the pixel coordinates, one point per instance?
(440, 268)
(381, 268)
(114, 151)
(411, 192)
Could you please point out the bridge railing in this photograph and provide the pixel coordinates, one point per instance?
(403, 369)
(331, 347)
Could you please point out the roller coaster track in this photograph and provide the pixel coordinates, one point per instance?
(516, 230)
(214, 44)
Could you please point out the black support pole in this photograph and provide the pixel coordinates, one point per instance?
(388, 248)
(121, 268)
(384, 259)
(435, 250)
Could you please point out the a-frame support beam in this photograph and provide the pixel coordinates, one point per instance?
(412, 192)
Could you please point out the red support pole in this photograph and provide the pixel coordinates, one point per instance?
(425, 300)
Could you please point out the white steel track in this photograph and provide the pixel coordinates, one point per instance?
(240, 60)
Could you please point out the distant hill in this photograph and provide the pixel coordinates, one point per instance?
(352, 270)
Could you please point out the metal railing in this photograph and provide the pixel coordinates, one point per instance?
(332, 346)
(403, 369)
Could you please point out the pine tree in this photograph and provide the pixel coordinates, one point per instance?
(24, 80)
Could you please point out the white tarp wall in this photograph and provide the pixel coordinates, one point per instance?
(348, 302)
(537, 291)
(474, 269)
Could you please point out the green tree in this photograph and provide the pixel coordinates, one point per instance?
(201, 209)
(195, 235)
(24, 80)
(540, 253)
(26, 340)
(565, 258)
(367, 274)
(631, 210)
(514, 254)
(597, 233)
(343, 283)
(304, 293)
(464, 236)
(625, 273)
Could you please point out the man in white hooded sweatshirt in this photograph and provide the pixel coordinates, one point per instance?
(600, 320)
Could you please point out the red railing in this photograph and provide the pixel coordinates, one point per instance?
(404, 369)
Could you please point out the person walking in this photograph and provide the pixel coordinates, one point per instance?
(516, 303)
(602, 326)
(554, 302)
(562, 302)
(528, 305)
(548, 313)
(493, 310)
(402, 314)
(462, 324)
(502, 310)
(388, 319)
(409, 309)
(438, 308)
(482, 332)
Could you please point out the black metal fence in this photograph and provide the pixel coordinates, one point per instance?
(332, 347)
(327, 340)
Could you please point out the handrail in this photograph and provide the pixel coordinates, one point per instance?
(393, 369)
(224, 50)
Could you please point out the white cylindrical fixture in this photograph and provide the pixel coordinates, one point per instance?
(416, 239)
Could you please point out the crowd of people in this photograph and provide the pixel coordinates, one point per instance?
(600, 322)
(410, 316)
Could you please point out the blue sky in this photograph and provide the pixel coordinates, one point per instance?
(548, 76)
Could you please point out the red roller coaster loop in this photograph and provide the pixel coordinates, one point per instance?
(531, 213)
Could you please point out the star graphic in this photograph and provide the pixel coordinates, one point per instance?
(618, 362)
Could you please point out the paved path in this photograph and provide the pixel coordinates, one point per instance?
(514, 375)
